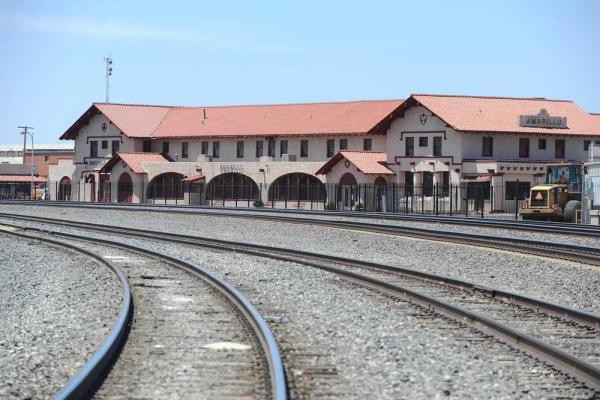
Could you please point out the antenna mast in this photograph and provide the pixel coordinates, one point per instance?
(108, 61)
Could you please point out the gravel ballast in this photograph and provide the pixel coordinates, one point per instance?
(57, 307)
(552, 280)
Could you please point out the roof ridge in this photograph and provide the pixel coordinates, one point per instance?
(491, 97)
(139, 152)
(360, 151)
(138, 105)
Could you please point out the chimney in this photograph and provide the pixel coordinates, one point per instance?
(204, 112)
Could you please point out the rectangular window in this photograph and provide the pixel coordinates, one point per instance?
(409, 147)
(105, 144)
(240, 149)
(147, 146)
(271, 148)
(304, 148)
(523, 147)
(559, 148)
(541, 144)
(437, 146)
(586, 145)
(216, 149)
(45, 158)
(93, 149)
(343, 144)
(487, 146)
(114, 147)
(165, 147)
(512, 191)
(330, 147)
(423, 141)
(259, 148)
(184, 149)
(283, 147)
(367, 144)
(204, 149)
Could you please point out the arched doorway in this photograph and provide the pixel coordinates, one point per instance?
(90, 181)
(104, 194)
(380, 194)
(64, 189)
(298, 187)
(347, 191)
(232, 186)
(125, 189)
(165, 186)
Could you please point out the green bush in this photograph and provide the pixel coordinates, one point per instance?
(258, 203)
(330, 206)
(359, 207)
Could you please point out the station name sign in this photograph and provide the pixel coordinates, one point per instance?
(542, 120)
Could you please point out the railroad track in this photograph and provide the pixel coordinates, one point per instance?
(566, 338)
(271, 215)
(182, 350)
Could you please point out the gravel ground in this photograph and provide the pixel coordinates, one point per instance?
(340, 341)
(57, 307)
(558, 281)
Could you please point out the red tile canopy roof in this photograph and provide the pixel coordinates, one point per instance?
(336, 118)
(21, 178)
(133, 160)
(367, 162)
(501, 114)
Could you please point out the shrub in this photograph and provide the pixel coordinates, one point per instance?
(330, 206)
(258, 203)
(359, 207)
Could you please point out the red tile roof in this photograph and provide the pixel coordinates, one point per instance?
(367, 162)
(133, 160)
(336, 118)
(193, 178)
(21, 178)
(501, 114)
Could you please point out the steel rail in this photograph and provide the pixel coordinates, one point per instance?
(91, 373)
(251, 315)
(577, 253)
(555, 356)
(263, 213)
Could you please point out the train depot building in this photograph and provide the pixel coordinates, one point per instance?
(379, 153)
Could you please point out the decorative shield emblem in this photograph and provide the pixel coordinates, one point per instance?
(104, 127)
(423, 119)
(347, 164)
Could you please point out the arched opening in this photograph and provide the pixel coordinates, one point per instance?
(125, 189)
(232, 186)
(166, 186)
(348, 191)
(64, 189)
(297, 186)
(348, 179)
(90, 181)
(104, 193)
(380, 194)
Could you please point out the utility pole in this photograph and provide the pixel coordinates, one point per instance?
(25, 133)
(108, 61)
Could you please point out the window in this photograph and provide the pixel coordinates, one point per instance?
(184, 149)
(343, 144)
(216, 149)
(204, 149)
(283, 147)
(330, 147)
(165, 147)
(559, 148)
(114, 147)
(523, 147)
(304, 148)
(93, 149)
(271, 148)
(105, 144)
(147, 146)
(409, 182)
(586, 145)
(423, 141)
(437, 146)
(240, 149)
(511, 190)
(487, 146)
(367, 144)
(259, 148)
(541, 144)
(409, 147)
(46, 158)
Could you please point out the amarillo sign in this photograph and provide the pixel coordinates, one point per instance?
(542, 120)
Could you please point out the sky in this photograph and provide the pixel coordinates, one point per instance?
(240, 52)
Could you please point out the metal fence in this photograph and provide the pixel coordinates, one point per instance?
(468, 199)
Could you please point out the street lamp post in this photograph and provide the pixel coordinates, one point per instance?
(25, 133)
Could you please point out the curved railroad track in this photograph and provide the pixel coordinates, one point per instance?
(154, 287)
(288, 214)
(564, 337)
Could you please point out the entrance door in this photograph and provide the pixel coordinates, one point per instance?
(347, 191)
(125, 193)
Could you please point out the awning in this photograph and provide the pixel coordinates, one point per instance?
(21, 178)
(193, 178)
(477, 179)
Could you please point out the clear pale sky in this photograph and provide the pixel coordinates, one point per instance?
(238, 52)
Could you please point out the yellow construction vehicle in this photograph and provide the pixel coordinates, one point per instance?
(559, 199)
